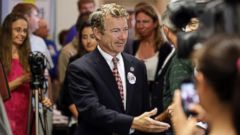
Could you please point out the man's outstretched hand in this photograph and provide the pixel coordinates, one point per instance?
(145, 123)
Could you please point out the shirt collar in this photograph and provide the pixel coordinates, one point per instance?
(107, 56)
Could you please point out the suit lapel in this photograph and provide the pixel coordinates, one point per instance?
(129, 68)
(106, 74)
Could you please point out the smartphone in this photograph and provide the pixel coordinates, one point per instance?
(188, 95)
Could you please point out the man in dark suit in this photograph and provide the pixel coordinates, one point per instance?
(110, 103)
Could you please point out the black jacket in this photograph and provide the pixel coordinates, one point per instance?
(95, 93)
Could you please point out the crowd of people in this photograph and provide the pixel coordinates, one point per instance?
(110, 78)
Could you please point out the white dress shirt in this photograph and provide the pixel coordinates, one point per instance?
(38, 44)
(120, 67)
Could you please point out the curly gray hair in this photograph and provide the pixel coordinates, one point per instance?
(97, 17)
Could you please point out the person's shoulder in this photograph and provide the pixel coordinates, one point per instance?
(165, 47)
(37, 43)
(128, 56)
(172, 60)
(83, 62)
(131, 58)
(67, 47)
(38, 40)
(182, 61)
(35, 37)
(49, 42)
(73, 28)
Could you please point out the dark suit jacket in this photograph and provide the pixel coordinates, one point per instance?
(94, 91)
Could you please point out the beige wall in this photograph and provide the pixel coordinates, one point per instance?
(66, 15)
(129, 4)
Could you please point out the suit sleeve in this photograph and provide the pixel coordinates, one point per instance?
(90, 110)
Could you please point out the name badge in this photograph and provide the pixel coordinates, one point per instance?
(131, 78)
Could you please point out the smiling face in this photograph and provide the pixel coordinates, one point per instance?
(144, 24)
(88, 39)
(114, 36)
(19, 32)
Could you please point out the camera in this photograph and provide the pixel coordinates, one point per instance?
(38, 64)
(188, 95)
(215, 17)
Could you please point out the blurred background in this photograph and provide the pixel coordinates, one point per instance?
(61, 14)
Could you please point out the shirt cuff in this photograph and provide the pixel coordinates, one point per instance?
(131, 131)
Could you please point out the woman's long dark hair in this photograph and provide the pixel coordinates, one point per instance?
(81, 50)
(6, 43)
(151, 11)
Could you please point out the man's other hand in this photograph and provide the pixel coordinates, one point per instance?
(145, 123)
